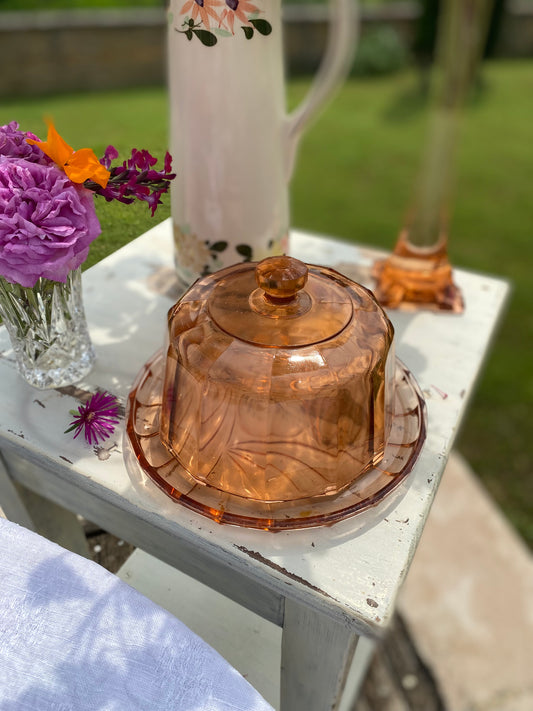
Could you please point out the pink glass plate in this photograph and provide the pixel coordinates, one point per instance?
(407, 436)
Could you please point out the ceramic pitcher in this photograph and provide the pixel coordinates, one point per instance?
(232, 141)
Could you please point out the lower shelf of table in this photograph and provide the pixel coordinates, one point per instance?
(248, 642)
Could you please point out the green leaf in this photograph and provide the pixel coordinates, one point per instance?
(205, 37)
(248, 31)
(188, 34)
(218, 246)
(245, 251)
(221, 32)
(262, 26)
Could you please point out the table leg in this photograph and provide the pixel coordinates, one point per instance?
(38, 514)
(316, 653)
(11, 502)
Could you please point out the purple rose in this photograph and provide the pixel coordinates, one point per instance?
(46, 222)
(13, 144)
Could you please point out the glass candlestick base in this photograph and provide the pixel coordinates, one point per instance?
(417, 277)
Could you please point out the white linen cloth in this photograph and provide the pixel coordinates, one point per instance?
(73, 637)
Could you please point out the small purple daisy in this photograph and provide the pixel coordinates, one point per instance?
(97, 418)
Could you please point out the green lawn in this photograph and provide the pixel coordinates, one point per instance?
(353, 180)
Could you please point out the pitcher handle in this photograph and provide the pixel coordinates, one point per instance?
(335, 65)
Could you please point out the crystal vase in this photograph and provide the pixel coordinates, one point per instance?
(48, 331)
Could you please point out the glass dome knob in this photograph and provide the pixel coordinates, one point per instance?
(281, 277)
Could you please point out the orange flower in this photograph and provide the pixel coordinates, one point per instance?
(79, 165)
(237, 8)
(204, 8)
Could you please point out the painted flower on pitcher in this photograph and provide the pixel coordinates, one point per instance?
(203, 10)
(193, 253)
(237, 9)
(209, 18)
(196, 256)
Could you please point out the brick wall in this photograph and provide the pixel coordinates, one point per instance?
(46, 52)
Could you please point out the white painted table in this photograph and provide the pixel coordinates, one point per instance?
(325, 587)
